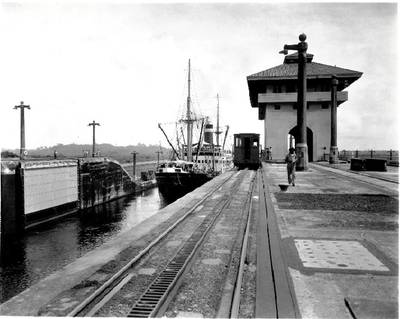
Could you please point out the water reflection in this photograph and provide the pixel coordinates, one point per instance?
(43, 251)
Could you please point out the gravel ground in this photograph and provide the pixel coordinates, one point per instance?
(148, 270)
(358, 211)
(211, 276)
(353, 202)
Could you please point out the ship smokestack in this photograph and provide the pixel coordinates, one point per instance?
(208, 132)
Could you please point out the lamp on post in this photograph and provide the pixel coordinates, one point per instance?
(22, 151)
(158, 157)
(134, 164)
(301, 143)
(94, 137)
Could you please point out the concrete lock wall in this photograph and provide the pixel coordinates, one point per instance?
(279, 122)
(12, 219)
(49, 184)
(102, 180)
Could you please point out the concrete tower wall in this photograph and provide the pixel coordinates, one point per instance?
(279, 122)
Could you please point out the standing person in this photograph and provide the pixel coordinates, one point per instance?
(291, 159)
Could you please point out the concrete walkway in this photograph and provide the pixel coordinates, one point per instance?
(339, 234)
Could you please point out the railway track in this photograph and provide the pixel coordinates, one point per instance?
(155, 298)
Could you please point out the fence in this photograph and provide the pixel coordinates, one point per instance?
(391, 156)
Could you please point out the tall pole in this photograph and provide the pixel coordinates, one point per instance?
(158, 157)
(22, 144)
(301, 140)
(301, 145)
(333, 154)
(134, 164)
(218, 132)
(189, 122)
(94, 137)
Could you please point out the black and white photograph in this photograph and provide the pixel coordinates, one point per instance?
(199, 159)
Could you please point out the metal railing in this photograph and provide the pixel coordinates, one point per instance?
(391, 156)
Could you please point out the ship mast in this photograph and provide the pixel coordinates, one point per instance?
(218, 132)
(189, 122)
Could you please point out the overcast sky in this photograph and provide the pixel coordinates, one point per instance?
(124, 65)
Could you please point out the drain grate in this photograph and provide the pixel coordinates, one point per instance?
(159, 288)
(337, 254)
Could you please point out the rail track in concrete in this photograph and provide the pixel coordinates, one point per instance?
(151, 298)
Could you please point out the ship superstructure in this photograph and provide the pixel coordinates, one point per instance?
(192, 164)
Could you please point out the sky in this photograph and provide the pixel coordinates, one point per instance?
(124, 64)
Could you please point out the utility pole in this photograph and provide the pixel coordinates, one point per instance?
(134, 164)
(94, 137)
(22, 152)
(158, 157)
(301, 143)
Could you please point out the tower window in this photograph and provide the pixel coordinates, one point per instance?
(277, 107)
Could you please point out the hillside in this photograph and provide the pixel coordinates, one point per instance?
(119, 153)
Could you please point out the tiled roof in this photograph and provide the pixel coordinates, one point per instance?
(289, 70)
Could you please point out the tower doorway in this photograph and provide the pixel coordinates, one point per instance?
(293, 138)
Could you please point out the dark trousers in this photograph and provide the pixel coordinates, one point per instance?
(291, 172)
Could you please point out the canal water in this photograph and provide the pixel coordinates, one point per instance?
(47, 249)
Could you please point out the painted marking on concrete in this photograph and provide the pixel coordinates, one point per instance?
(146, 271)
(222, 251)
(212, 261)
(187, 314)
(174, 243)
(337, 254)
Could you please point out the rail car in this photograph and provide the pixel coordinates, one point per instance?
(246, 150)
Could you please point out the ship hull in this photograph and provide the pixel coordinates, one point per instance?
(175, 185)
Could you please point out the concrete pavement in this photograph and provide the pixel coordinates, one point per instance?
(339, 236)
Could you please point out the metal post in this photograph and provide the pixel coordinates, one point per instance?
(301, 146)
(301, 143)
(189, 122)
(158, 157)
(333, 155)
(134, 164)
(22, 144)
(94, 137)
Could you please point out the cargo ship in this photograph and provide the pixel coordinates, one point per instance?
(193, 164)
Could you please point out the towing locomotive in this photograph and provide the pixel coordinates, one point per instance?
(246, 150)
